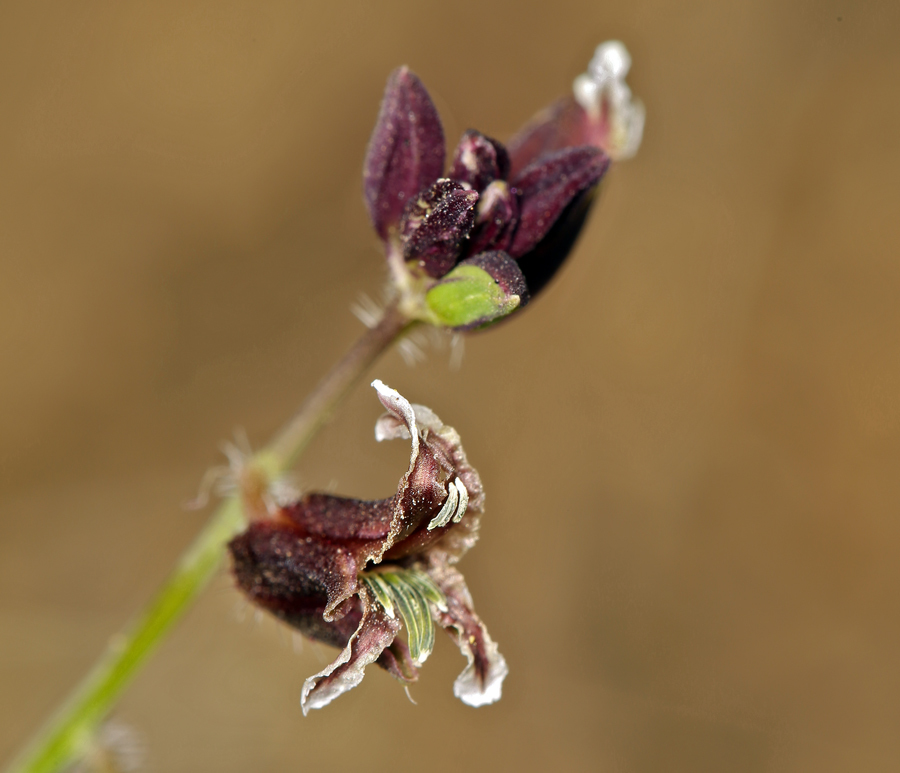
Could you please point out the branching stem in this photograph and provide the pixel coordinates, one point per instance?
(71, 731)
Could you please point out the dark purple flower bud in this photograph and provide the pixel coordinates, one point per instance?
(495, 219)
(479, 160)
(533, 195)
(547, 187)
(436, 223)
(406, 150)
(311, 563)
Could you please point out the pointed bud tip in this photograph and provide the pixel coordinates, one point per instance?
(406, 149)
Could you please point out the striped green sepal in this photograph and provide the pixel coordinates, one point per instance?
(410, 592)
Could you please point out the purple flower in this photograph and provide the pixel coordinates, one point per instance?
(352, 573)
(523, 205)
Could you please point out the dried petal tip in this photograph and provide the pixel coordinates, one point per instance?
(406, 150)
(605, 97)
(481, 682)
(375, 633)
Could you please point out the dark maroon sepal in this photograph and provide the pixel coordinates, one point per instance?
(435, 225)
(541, 264)
(296, 577)
(406, 150)
(547, 187)
(505, 272)
(563, 124)
(495, 219)
(341, 519)
(479, 160)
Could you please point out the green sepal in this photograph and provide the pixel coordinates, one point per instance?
(468, 297)
(411, 592)
(382, 592)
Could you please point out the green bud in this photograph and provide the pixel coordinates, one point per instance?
(479, 290)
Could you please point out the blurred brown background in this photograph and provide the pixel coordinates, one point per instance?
(690, 443)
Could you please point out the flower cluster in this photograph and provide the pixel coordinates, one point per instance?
(464, 250)
(472, 246)
(349, 572)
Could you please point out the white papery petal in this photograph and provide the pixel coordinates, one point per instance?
(602, 92)
(376, 632)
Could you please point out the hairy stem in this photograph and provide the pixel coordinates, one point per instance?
(70, 733)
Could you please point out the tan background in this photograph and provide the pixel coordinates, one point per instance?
(690, 444)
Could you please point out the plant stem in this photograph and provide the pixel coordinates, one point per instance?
(293, 438)
(70, 732)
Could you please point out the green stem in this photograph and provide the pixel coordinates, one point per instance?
(295, 436)
(69, 733)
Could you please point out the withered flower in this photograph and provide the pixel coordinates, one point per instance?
(475, 245)
(352, 573)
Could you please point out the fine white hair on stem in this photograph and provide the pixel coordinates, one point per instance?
(116, 746)
(228, 480)
(412, 348)
(457, 351)
(284, 490)
(241, 609)
(208, 483)
(223, 479)
(367, 310)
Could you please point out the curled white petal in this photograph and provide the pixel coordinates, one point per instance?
(611, 61)
(403, 422)
(448, 510)
(463, 500)
(376, 631)
(603, 93)
(481, 682)
(472, 692)
(317, 700)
